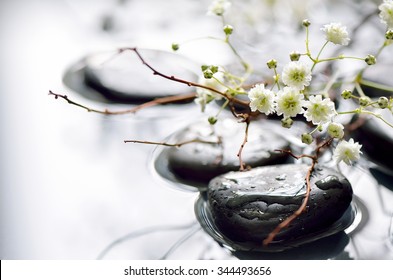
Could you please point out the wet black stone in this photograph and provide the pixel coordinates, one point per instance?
(123, 78)
(200, 162)
(247, 206)
(376, 139)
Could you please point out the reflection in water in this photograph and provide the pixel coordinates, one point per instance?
(150, 230)
(103, 186)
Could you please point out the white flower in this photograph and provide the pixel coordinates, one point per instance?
(261, 99)
(386, 13)
(296, 75)
(289, 102)
(319, 111)
(347, 151)
(336, 33)
(335, 130)
(218, 7)
(205, 96)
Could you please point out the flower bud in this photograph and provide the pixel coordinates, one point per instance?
(307, 138)
(175, 46)
(204, 67)
(370, 59)
(294, 56)
(228, 29)
(208, 74)
(286, 122)
(389, 34)
(306, 23)
(335, 130)
(212, 120)
(213, 68)
(272, 64)
(364, 101)
(346, 94)
(383, 102)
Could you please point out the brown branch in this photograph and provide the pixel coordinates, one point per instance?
(174, 144)
(239, 154)
(162, 100)
(306, 198)
(188, 83)
(296, 214)
(289, 152)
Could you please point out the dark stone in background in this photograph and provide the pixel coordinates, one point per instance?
(199, 162)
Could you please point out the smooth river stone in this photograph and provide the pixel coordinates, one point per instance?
(123, 77)
(376, 139)
(247, 206)
(201, 162)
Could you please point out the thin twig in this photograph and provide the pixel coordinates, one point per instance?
(303, 206)
(173, 144)
(188, 83)
(162, 100)
(239, 154)
(289, 152)
(296, 214)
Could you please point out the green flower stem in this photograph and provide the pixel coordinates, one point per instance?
(247, 67)
(308, 53)
(222, 107)
(361, 111)
(221, 83)
(233, 78)
(276, 79)
(320, 51)
(339, 57)
(315, 129)
(378, 116)
(316, 60)
(376, 85)
(330, 84)
(359, 77)
(359, 89)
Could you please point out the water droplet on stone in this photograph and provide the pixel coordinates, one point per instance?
(281, 177)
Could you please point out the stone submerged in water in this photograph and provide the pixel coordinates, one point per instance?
(201, 162)
(124, 79)
(246, 206)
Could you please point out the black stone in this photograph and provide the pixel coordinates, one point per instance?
(376, 139)
(123, 78)
(199, 162)
(246, 206)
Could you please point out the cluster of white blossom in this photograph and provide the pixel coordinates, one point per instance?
(291, 94)
(291, 101)
(219, 7)
(386, 13)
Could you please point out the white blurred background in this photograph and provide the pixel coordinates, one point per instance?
(69, 186)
